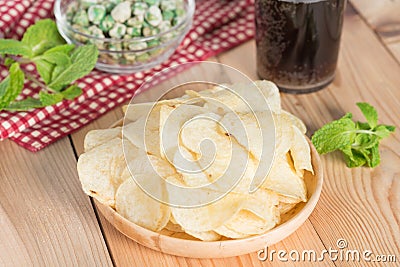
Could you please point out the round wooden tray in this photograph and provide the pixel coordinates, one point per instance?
(226, 248)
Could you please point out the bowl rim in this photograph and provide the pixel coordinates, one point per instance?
(300, 217)
(191, 6)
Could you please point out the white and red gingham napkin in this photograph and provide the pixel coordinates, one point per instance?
(218, 26)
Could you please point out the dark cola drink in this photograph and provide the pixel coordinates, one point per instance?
(298, 42)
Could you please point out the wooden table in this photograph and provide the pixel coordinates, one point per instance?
(46, 219)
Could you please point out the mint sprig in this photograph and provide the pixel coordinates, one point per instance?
(359, 141)
(58, 64)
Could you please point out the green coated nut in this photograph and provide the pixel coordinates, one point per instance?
(136, 21)
(107, 23)
(96, 31)
(121, 12)
(150, 31)
(167, 5)
(134, 31)
(135, 46)
(143, 57)
(79, 37)
(139, 8)
(152, 2)
(131, 57)
(96, 13)
(179, 12)
(117, 47)
(153, 16)
(117, 31)
(85, 4)
(168, 15)
(81, 18)
(164, 26)
(153, 43)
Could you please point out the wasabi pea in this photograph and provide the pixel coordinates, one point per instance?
(96, 13)
(121, 12)
(139, 8)
(134, 31)
(153, 16)
(117, 31)
(80, 18)
(107, 23)
(136, 21)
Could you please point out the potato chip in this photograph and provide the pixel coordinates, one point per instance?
(284, 181)
(285, 207)
(288, 200)
(133, 112)
(187, 165)
(135, 205)
(254, 131)
(205, 236)
(300, 152)
(229, 233)
(208, 217)
(141, 135)
(96, 138)
(245, 98)
(171, 121)
(295, 121)
(284, 134)
(100, 171)
(262, 203)
(173, 227)
(201, 137)
(248, 223)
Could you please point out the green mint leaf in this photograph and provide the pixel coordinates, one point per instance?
(375, 157)
(14, 47)
(390, 128)
(26, 104)
(45, 69)
(58, 70)
(8, 62)
(65, 49)
(50, 99)
(365, 141)
(57, 58)
(358, 141)
(12, 86)
(335, 135)
(41, 36)
(4, 84)
(369, 113)
(382, 131)
(48, 62)
(353, 158)
(71, 92)
(83, 60)
(362, 126)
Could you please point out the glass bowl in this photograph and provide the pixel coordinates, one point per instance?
(126, 55)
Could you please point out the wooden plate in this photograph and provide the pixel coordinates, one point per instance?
(225, 248)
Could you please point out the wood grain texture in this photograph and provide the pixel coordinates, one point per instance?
(384, 17)
(45, 220)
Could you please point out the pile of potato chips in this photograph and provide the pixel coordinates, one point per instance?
(149, 144)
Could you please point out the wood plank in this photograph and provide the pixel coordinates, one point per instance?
(45, 219)
(384, 17)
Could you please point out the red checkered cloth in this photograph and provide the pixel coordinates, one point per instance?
(217, 26)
